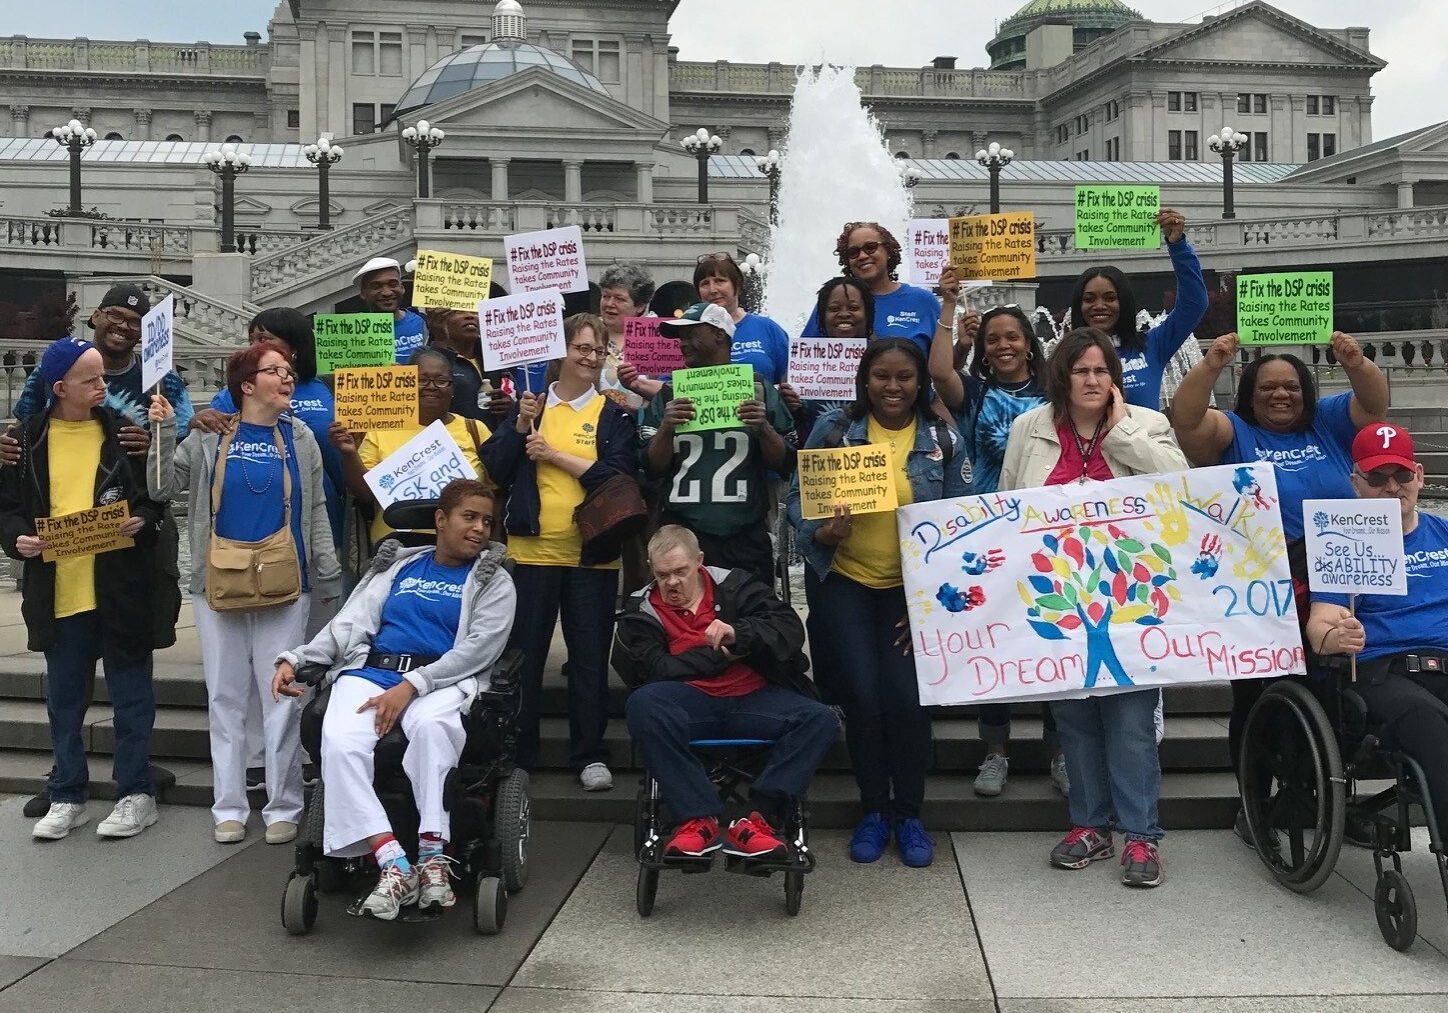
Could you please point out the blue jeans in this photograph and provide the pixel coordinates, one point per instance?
(585, 598)
(69, 665)
(1112, 761)
(852, 635)
(664, 716)
(994, 725)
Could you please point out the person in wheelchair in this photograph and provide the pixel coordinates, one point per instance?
(407, 649)
(711, 654)
(1401, 642)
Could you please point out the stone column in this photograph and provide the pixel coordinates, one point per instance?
(646, 182)
(775, 137)
(927, 143)
(500, 178)
(83, 114)
(978, 140)
(202, 117)
(1405, 193)
(573, 181)
(143, 124)
(20, 121)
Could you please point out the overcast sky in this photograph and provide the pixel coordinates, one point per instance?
(1412, 35)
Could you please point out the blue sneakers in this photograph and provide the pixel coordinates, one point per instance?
(916, 849)
(869, 840)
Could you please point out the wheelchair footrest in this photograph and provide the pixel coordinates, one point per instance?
(410, 913)
(765, 867)
(684, 863)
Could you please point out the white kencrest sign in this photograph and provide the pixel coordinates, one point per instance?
(1065, 591)
(1355, 546)
(420, 468)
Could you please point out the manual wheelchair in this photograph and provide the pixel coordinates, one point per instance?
(1296, 786)
(487, 796)
(732, 765)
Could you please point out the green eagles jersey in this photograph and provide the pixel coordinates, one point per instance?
(718, 480)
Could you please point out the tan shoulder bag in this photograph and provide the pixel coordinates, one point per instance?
(252, 575)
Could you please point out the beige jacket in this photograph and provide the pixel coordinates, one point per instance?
(1140, 444)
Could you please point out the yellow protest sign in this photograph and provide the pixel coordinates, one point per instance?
(85, 532)
(861, 478)
(451, 280)
(376, 398)
(998, 247)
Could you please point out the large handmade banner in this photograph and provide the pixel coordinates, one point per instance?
(1065, 591)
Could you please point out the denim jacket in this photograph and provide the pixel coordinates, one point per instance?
(930, 479)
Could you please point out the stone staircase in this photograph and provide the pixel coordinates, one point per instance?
(1198, 789)
(312, 275)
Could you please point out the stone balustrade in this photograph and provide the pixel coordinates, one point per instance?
(443, 221)
(878, 82)
(204, 325)
(141, 57)
(275, 274)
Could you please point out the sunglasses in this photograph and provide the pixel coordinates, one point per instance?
(867, 249)
(1378, 477)
(706, 258)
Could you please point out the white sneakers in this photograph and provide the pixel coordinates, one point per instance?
(596, 777)
(131, 815)
(281, 832)
(434, 883)
(392, 893)
(62, 818)
(229, 832)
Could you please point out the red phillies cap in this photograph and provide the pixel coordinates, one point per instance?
(1382, 443)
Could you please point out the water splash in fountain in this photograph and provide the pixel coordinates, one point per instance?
(837, 169)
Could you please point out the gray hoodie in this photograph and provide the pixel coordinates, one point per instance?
(489, 600)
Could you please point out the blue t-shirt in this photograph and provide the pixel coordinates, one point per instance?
(1142, 371)
(761, 343)
(410, 333)
(1397, 624)
(1310, 465)
(908, 312)
(985, 421)
(251, 488)
(420, 616)
(314, 407)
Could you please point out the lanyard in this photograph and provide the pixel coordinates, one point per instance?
(1089, 448)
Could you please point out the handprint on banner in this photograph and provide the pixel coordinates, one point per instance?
(1210, 557)
(977, 563)
(1264, 548)
(1246, 483)
(1091, 579)
(1171, 513)
(956, 600)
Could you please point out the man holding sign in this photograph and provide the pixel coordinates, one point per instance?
(117, 606)
(379, 283)
(1401, 642)
(717, 467)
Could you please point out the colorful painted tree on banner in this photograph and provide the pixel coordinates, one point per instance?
(1088, 579)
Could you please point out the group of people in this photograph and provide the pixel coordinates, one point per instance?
(685, 612)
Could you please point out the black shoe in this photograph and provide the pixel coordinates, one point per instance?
(255, 778)
(1239, 826)
(37, 806)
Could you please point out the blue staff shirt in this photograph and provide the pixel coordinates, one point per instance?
(420, 616)
(761, 343)
(251, 489)
(908, 312)
(410, 333)
(1141, 371)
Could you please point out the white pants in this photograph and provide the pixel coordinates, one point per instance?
(238, 655)
(320, 615)
(433, 725)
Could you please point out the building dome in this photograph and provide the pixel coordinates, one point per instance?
(1090, 19)
(479, 66)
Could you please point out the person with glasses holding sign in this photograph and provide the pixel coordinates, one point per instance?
(261, 545)
(870, 252)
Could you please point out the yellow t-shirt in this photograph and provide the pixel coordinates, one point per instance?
(572, 431)
(871, 555)
(75, 456)
(378, 446)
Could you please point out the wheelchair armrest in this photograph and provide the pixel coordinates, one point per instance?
(311, 675)
(503, 677)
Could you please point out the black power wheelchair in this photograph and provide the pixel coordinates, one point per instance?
(486, 795)
(732, 765)
(1298, 794)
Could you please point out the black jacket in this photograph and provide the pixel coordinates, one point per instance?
(768, 637)
(138, 590)
(506, 458)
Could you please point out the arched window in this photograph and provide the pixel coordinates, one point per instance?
(174, 137)
(234, 139)
(955, 155)
(113, 136)
(747, 151)
(902, 154)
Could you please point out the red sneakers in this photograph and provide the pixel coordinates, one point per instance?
(695, 838)
(752, 837)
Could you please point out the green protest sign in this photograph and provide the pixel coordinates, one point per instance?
(350, 340)
(717, 393)
(1285, 309)
(1117, 217)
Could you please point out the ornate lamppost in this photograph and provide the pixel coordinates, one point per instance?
(323, 155)
(754, 270)
(1227, 144)
(701, 144)
(772, 167)
(995, 158)
(423, 138)
(228, 163)
(75, 137)
(909, 176)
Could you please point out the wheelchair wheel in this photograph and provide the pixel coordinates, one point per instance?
(512, 823)
(490, 905)
(793, 892)
(648, 889)
(1288, 744)
(1396, 909)
(299, 905)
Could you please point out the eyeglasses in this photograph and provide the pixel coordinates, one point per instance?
(434, 383)
(590, 351)
(867, 249)
(280, 372)
(1378, 477)
(120, 318)
(705, 258)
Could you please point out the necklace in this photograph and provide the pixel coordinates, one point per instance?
(1088, 448)
(1016, 390)
(271, 475)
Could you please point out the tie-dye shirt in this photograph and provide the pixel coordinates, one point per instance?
(985, 420)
